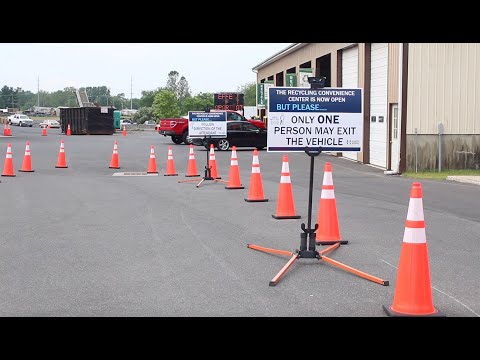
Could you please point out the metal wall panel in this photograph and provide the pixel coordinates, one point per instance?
(443, 87)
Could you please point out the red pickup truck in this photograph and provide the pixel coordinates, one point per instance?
(177, 128)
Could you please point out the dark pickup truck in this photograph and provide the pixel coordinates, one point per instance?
(177, 128)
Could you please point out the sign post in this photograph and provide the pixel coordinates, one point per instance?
(314, 120)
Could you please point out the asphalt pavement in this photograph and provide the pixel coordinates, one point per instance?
(78, 241)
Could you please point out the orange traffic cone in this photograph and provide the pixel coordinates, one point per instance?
(124, 131)
(328, 232)
(255, 194)
(212, 163)
(8, 165)
(27, 160)
(69, 131)
(170, 164)
(9, 130)
(234, 174)
(61, 162)
(192, 164)
(114, 161)
(413, 291)
(286, 204)
(5, 131)
(152, 163)
(44, 131)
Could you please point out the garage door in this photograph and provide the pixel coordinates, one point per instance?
(350, 80)
(378, 104)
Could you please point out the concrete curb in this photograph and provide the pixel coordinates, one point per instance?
(465, 179)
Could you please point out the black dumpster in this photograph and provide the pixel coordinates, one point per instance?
(87, 120)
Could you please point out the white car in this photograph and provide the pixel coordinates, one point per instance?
(20, 120)
(50, 124)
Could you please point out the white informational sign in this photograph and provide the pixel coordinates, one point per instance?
(104, 110)
(207, 124)
(266, 86)
(303, 75)
(328, 118)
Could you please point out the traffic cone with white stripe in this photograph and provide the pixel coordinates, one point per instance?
(152, 162)
(9, 130)
(234, 173)
(5, 131)
(27, 160)
(212, 163)
(8, 165)
(285, 204)
(192, 164)
(61, 161)
(114, 162)
(170, 164)
(255, 193)
(413, 291)
(44, 131)
(69, 131)
(328, 232)
(124, 131)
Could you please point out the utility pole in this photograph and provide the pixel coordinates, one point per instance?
(131, 92)
(38, 91)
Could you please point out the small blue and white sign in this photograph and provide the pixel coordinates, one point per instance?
(207, 124)
(330, 118)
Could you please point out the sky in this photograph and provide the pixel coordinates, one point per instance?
(130, 68)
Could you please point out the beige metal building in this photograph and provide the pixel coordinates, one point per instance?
(420, 99)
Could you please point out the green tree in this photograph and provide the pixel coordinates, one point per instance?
(6, 96)
(70, 89)
(148, 96)
(172, 82)
(60, 98)
(26, 100)
(98, 94)
(250, 92)
(143, 114)
(197, 103)
(165, 105)
(135, 103)
(183, 89)
(178, 85)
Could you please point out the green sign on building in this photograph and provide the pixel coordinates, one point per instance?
(291, 80)
(267, 85)
(262, 93)
(261, 104)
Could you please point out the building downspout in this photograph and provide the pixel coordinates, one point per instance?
(396, 167)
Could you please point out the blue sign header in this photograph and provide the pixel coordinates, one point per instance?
(304, 100)
(207, 116)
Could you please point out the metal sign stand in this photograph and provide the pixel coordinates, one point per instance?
(208, 169)
(208, 174)
(311, 252)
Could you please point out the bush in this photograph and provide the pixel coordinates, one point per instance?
(143, 114)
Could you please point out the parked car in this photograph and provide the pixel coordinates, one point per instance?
(20, 120)
(127, 122)
(50, 124)
(177, 128)
(239, 133)
(150, 122)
